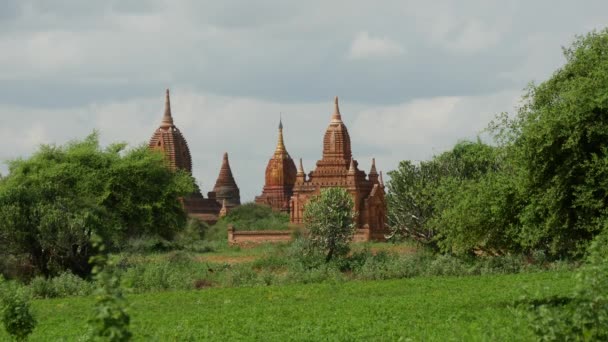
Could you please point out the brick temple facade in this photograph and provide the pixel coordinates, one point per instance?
(280, 178)
(337, 168)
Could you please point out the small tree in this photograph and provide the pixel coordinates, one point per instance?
(330, 219)
(16, 315)
(110, 321)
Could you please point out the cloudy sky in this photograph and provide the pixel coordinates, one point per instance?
(413, 77)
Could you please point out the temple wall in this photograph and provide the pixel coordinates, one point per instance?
(252, 237)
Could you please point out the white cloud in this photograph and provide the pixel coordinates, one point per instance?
(364, 46)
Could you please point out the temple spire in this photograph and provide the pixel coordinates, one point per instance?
(301, 169)
(381, 180)
(280, 150)
(373, 171)
(336, 117)
(167, 118)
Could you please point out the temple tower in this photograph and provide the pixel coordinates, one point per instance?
(168, 139)
(225, 187)
(280, 177)
(337, 168)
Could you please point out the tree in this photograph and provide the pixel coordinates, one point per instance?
(560, 142)
(419, 196)
(410, 200)
(52, 202)
(330, 220)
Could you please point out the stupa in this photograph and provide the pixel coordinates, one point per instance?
(280, 178)
(225, 187)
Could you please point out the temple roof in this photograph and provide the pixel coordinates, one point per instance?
(336, 142)
(170, 140)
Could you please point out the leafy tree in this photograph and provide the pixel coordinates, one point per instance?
(51, 203)
(427, 199)
(410, 200)
(559, 140)
(330, 220)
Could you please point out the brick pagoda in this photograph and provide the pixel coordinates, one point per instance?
(170, 140)
(280, 178)
(225, 187)
(337, 168)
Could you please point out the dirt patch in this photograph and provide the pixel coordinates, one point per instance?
(224, 259)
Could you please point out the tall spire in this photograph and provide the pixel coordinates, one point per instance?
(167, 118)
(280, 150)
(301, 169)
(336, 117)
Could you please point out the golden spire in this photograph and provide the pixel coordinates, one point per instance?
(280, 150)
(336, 117)
(167, 118)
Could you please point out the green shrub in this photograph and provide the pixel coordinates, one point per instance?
(16, 315)
(584, 316)
(252, 216)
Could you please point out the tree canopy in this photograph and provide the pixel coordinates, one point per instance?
(544, 186)
(52, 202)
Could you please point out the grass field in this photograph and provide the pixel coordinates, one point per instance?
(427, 308)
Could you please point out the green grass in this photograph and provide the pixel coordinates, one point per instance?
(474, 308)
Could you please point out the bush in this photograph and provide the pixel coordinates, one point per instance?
(584, 317)
(16, 315)
(252, 216)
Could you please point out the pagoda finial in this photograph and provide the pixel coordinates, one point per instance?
(336, 117)
(301, 169)
(373, 171)
(352, 169)
(280, 143)
(167, 118)
(280, 120)
(381, 180)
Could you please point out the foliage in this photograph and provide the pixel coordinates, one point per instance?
(253, 216)
(419, 309)
(410, 199)
(559, 142)
(16, 315)
(51, 203)
(110, 321)
(64, 285)
(543, 188)
(330, 220)
(584, 316)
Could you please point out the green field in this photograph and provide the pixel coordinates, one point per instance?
(477, 308)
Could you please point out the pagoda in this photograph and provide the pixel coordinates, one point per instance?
(225, 188)
(169, 139)
(337, 168)
(280, 178)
